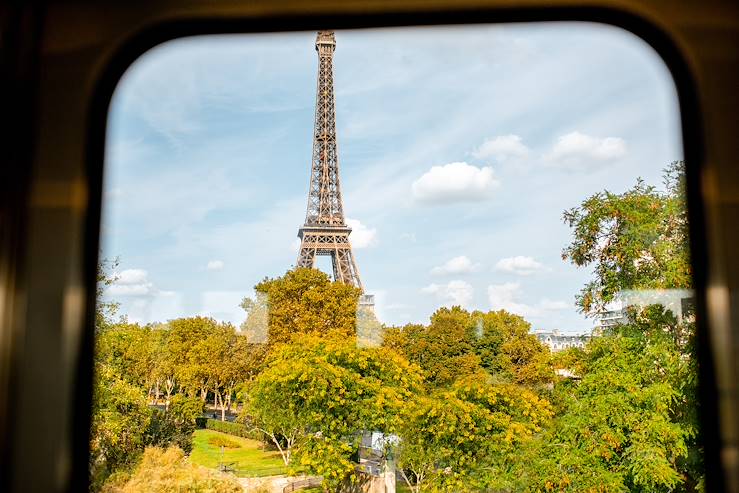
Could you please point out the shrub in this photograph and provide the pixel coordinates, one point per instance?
(164, 431)
(186, 409)
(229, 428)
(219, 441)
(200, 422)
(175, 425)
(167, 470)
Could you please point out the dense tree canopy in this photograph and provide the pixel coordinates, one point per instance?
(320, 391)
(630, 424)
(450, 437)
(457, 343)
(119, 416)
(303, 301)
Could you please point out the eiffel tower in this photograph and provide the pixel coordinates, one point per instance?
(325, 231)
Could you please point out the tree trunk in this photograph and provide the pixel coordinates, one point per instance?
(168, 387)
(218, 401)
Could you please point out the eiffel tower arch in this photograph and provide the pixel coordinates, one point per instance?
(325, 231)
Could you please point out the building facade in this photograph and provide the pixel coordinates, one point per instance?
(556, 341)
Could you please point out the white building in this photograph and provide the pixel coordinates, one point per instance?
(558, 342)
(678, 301)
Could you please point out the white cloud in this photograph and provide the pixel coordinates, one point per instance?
(507, 296)
(577, 151)
(454, 292)
(215, 265)
(361, 236)
(523, 266)
(454, 182)
(131, 282)
(501, 147)
(456, 265)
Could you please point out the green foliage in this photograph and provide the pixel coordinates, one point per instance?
(303, 301)
(120, 417)
(221, 441)
(630, 424)
(444, 349)
(185, 410)
(330, 458)
(507, 348)
(623, 424)
(449, 439)
(175, 425)
(320, 391)
(168, 471)
(457, 343)
(163, 431)
(187, 342)
(236, 429)
(634, 240)
(127, 348)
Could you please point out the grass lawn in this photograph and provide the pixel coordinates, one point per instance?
(247, 456)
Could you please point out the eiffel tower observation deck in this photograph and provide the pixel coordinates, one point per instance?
(325, 231)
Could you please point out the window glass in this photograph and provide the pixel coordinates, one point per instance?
(420, 259)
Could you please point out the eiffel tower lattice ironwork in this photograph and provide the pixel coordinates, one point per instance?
(325, 231)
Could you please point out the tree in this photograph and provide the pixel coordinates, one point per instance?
(508, 350)
(634, 240)
(119, 411)
(451, 439)
(187, 346)
(165, 361)
(444, 349)
(300, 302)
(457, 343)
(230, 360)
(105, 310)
(129, 350)
(120, 416)
(175, 425)
(629, 424)
(319, 392)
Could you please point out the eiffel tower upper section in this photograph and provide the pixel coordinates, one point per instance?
(325, 231)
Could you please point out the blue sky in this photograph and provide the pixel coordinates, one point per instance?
(459, 150)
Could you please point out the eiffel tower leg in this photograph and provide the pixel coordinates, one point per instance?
(336, 265)
(346, 267)
(307, 255)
